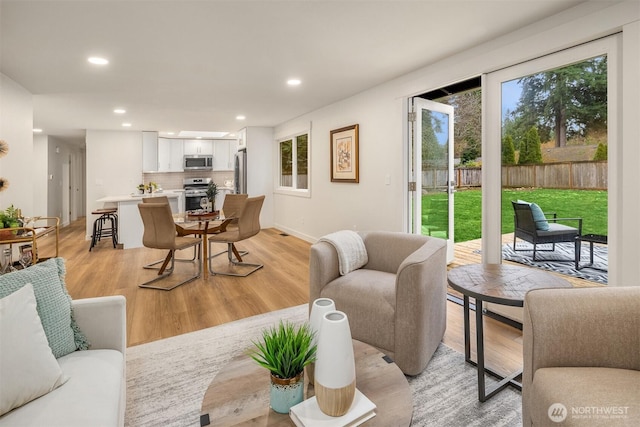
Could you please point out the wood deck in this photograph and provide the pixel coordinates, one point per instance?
(469, 253)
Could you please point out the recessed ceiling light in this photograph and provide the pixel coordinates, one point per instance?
(198, 137)
(36, 130)
(293, 82)
(127, 125)
(119, 111)
(240, 117)
(170, 133)
(95, 60)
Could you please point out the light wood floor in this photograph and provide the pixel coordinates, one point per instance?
(283, 282)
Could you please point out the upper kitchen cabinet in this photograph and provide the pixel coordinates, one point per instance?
(224, 151)
(198, 146)
(170, 155)
(149, 151)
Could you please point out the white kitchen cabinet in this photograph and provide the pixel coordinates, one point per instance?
(198, 146)
(224, 151)
(170, 155)
(149, 151)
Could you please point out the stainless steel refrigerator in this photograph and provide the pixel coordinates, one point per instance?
(240, 172)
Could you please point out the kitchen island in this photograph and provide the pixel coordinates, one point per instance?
(130, 227)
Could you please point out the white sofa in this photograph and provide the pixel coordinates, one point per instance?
(94, 395)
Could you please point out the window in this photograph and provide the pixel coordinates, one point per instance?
(294, 163)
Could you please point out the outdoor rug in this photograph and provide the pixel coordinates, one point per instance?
(562, 259)
(167, 379)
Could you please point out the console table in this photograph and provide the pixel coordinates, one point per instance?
(239, 393)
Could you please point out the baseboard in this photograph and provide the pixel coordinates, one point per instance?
(295, 233)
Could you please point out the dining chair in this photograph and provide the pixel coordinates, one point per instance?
(248, 226)
(156, 199)
(160, 233)
(231, 207)
(164, 199)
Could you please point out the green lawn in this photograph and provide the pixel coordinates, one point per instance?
(589, 205)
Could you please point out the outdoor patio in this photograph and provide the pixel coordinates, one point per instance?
(469, 253)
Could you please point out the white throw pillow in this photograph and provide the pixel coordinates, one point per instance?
(27, 366)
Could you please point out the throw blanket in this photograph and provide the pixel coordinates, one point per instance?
(351, 251)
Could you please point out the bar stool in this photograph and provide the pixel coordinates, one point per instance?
(99, 229)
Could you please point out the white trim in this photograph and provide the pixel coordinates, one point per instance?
(293, 191)
(492, 135)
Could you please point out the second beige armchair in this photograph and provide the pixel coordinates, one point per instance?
(397, 301)
(581, 357)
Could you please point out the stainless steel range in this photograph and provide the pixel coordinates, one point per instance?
(194, 190)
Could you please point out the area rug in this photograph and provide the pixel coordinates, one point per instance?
(562, 259)
(167, 379)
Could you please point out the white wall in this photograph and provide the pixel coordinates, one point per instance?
(113, 166)
(40, 169)
(369, 204)
(381, 114)
(260, 169)
(60, 153)
(16, 128)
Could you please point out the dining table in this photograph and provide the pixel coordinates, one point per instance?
(201, 224)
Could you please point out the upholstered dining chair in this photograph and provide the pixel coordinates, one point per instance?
(231, 208)
(156, 199)
(248, 226)
(164, 199)
(397, 301)
(160, 233)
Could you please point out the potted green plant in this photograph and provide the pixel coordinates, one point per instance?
(285, 350)
(10, 218)
(212, 192)
(141, 188)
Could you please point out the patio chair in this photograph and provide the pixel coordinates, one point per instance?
(536, 227)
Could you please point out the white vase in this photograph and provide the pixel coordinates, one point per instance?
(335, 370)
(318, 310)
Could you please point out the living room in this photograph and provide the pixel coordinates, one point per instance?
(380, 113)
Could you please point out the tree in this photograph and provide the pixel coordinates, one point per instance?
(530, 153)
(433, 154)
(471, 151)
(601, 152)
(508, 151)
(566, 101)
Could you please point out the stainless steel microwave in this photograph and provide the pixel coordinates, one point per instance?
(198, 162)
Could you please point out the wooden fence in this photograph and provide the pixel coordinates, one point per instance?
(586, 175)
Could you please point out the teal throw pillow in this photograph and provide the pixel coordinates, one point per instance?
(53, 304)
(539, 218)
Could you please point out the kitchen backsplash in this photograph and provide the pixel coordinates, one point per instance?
(173, 180)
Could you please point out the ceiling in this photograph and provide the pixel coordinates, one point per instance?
(197, 65)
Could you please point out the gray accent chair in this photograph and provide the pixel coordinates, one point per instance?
(581, 350)
(525, 229)
(397, 301)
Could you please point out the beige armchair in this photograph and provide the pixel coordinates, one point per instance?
(397, 301)
(581, 356)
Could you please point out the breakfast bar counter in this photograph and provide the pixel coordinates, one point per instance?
(130, 227)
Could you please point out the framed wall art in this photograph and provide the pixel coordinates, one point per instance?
(344, 154)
